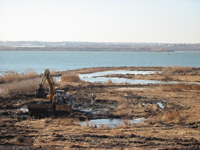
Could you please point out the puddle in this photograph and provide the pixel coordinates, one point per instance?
(165, 100)
(112, 123)
(23, 109)
(123, 72)
(58, 79)
(123, 80)
(159, 104)
(94, 77)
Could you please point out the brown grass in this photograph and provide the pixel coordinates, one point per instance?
(166, 71)
(157, 73)
(123, 109)
(178, 69)
(64, 121)
(109, 81)
(180, 87)
(70, 78)
(53, 71)
(126, 121)
(19, 87)
(87, 122)
(12, 76)
(167, 117)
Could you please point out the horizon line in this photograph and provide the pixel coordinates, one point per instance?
(97, 42)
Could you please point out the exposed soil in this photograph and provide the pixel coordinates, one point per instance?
(174, 127)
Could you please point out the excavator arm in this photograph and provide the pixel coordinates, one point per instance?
(40, 93)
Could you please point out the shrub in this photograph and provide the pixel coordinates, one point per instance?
(23, 86)
(179, 87)
(178, 69)
(167, 117)
(12, 76)
(109, 81)
(70, 78)
(166, 73)
(196, 87)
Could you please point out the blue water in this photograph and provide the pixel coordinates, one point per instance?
(20, 61)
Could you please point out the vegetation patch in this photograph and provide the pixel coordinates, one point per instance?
(165, 118)
(19, 87)
(12, 76)
(70, 78)
(180, 87)
(175, 70)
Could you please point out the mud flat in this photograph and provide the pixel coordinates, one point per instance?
(170, 112)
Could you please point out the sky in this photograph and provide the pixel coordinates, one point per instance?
(160, 21)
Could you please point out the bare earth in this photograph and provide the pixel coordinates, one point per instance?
(177, 126)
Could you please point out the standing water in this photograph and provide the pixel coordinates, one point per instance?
(20, 61)
(112, 123)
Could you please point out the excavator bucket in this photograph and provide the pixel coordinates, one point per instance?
(40, 93)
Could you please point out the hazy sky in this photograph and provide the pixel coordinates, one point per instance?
(166, 21)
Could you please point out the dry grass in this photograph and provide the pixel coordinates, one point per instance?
(19, 87)
(64, 121)
(157, 73)
(178, 69)
(166, 73)
(53, 71)
(126, 121)
(167, 117)
(180, 87)
(12, 76)
(123, 109)
(87, 122)
(70, 78)
(175, 70)
(166, 70)
(109, 81)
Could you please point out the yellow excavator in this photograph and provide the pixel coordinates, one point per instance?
(55, 102)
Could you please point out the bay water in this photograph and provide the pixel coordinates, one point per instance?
(21, 61)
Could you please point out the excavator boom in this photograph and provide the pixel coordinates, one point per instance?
(40, 93)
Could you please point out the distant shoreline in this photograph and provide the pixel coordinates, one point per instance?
(95, 46)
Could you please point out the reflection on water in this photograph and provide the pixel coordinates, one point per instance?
(112, 123)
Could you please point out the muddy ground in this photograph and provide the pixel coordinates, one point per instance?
(176, 126)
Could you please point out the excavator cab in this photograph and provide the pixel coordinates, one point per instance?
(64, 103)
